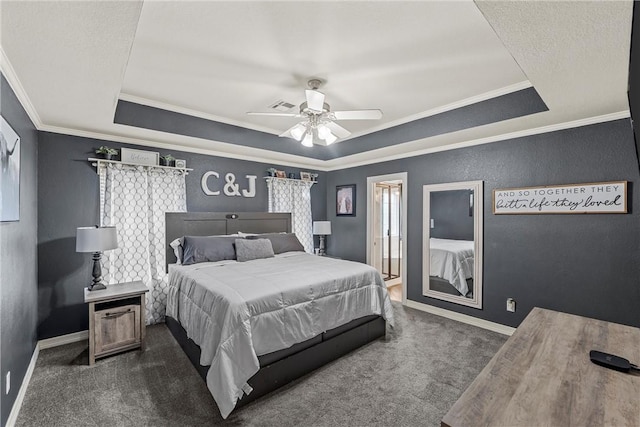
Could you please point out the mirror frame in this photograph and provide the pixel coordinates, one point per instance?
(478, 211)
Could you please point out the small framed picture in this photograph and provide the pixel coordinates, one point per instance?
(346, 200)
(140, 157)
(305, 176)
(281, 174)
(180, 163)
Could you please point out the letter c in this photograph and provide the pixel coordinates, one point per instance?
(205, 187)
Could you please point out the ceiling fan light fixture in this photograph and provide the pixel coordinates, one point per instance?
(331, 138)
(307, 141)
(323, 131)
(298, 131)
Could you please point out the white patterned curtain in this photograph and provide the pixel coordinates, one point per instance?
(135, 199)
(294, 196)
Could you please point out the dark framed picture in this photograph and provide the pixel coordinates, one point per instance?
(346, 200)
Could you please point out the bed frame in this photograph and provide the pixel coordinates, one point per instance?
(280, 367)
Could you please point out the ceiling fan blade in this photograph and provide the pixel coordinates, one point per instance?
(358, 115)
(338, 130)
(315, 100)
(252, 113)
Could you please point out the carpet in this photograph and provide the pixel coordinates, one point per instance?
(411, 377)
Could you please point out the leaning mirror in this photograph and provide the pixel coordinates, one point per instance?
(452, 242)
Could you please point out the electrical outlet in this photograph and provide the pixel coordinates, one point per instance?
(511, 305)
(8, 383)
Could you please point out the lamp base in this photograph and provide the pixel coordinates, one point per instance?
(97, 286)
(97, 274)
(321, 251)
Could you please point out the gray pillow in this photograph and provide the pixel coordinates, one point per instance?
(281, 242)
(197, 249)
(246, 250)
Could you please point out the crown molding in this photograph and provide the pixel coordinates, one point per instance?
(257, 155)
(448, 107)
(189, 112)
(268, 156)
(12, 78)
(345, 163)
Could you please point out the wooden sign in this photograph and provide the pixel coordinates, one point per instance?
(139, 157)
(598, 197)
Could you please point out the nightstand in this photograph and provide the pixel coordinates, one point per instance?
(116, 319)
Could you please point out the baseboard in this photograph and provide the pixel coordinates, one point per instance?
(470, 320)
(15, 410)
(41, 345)
(63, 339)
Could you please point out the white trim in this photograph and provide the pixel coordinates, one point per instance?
(334, 164)
(18, 89)
(371, 181)
(189, 112)
(63, 339)
(260, 156)
(463, 318)
(40, 345)
(268, 156)
(478, 208)
(17, 404)
(448, 107)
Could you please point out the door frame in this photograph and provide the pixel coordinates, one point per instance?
(371, 182)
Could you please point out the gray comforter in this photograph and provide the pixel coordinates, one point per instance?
(236, 311)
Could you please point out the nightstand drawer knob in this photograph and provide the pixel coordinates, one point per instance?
(120, 313)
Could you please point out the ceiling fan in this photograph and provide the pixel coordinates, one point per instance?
(318, 124)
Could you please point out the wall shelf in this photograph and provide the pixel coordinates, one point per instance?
(267, 178)
(98, 162)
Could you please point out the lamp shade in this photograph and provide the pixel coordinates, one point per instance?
(322, 227)
(96, 239)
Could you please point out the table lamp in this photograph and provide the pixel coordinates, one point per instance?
(96, 239)
(322, 229)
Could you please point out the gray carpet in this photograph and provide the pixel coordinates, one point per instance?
(410, 378)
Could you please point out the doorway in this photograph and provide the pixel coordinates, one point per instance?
(386, 225)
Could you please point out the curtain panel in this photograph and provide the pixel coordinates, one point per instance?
(294, 196)
(135, 199)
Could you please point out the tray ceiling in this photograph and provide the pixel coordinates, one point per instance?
(215, 61)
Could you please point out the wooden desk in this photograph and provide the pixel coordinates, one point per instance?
(542, 376)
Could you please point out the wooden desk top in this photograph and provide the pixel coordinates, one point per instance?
(542, 376)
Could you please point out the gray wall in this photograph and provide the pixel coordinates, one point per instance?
(450, 214)
(18, 263)
(68, 197)
(581, 264)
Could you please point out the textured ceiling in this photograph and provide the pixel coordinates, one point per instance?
(70, 62)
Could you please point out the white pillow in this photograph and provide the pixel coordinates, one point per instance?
(177, 249)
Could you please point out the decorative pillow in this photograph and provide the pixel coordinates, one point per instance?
(241, 234)
(177, 249)
(246, 250)
(197, 249)
(281, 242)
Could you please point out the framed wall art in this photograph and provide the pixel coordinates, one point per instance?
(9, 173)
(140, 157)
(346, 200)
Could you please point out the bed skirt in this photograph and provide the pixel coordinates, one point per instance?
(281, 367)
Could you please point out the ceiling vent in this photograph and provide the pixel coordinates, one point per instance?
(281, 105)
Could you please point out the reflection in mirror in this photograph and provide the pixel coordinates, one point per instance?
(452, 242)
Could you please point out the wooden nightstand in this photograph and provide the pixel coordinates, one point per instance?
(116, 319)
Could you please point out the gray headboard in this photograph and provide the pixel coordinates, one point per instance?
(180, 224)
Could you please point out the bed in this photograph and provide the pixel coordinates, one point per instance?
(452, 260)
(251, 327)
